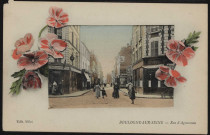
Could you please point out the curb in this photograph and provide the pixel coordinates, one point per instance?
(69, 95)
(126, 94)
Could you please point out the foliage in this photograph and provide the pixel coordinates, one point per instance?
(191, 39)
(44, 70)
(15, 88)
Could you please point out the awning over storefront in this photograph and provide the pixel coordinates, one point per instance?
(75, 70)
(87, 77)
(153, 66)
(138, 65)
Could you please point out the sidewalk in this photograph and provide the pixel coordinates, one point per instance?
(75, 94)
(125, 91)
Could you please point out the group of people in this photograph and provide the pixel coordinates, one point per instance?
(56, 89)
(97, 89)
(115, 94)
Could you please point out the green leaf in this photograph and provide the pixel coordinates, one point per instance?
(15, 88)
(192, 38)
(44, 70)
(194, 48)
(19, 73)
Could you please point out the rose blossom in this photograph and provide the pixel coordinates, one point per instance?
(178, 53)
(170, 76)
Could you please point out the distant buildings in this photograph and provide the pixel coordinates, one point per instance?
(85, 65)
(122, 66)
(95, 70)
(148, 53)
(108, 79)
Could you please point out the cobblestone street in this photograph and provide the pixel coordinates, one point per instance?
(89, 100)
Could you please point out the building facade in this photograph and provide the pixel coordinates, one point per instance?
(95, 70)
(66, 71)
(122, 64)
(85, 65)
(148, 54)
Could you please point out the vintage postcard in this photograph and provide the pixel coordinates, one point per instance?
(127, 68)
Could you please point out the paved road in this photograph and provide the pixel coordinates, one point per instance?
(90, 101)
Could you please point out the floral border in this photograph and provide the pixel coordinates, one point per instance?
(32, 64)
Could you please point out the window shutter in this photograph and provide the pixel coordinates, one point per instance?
(149, 83)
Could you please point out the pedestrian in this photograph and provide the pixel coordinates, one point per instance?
(103, 92)
(60, 88)
(97, 90)
(54, 88)
(131, 92)
(115, 93)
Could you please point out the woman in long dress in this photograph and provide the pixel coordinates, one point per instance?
(115, 93)
(131, 92)
(97, 90)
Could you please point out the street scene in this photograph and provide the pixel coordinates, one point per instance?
(88, 99)
(110, 66)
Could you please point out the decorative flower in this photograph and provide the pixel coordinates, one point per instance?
(23, 45)
(33, 61)
(57, 17)
(52, 45)
(178, 53)
(31, 80)
(170, 76)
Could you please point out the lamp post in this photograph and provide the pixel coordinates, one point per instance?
(72, 59)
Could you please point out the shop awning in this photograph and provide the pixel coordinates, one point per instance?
(87, 77)
(153, 66)
(75, 70)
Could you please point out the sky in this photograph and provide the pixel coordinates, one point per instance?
(106, 42)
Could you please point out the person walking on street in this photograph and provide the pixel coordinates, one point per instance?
(115, 93)
(97, 90)
(54, 88)
(131, 92)
(103, 92)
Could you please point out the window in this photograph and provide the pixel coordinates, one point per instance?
(154, 29)
(76, 44)
(59, 60)
(59, 33)
(137, 55)
(154, 48)
(137, 37)
(50, 29)
(73, 38)
(149, 83)
(141, 83)
(140, 53)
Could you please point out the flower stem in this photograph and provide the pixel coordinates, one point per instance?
(40, 33)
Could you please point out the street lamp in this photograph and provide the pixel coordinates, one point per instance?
(72, 58)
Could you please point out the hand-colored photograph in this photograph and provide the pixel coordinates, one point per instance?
(90, 66)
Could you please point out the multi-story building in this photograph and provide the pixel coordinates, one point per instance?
(66, 71)
(148, 53)
(85, 65)
(108, 79)
(113, 77)
(123, 61)
(95, 70)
